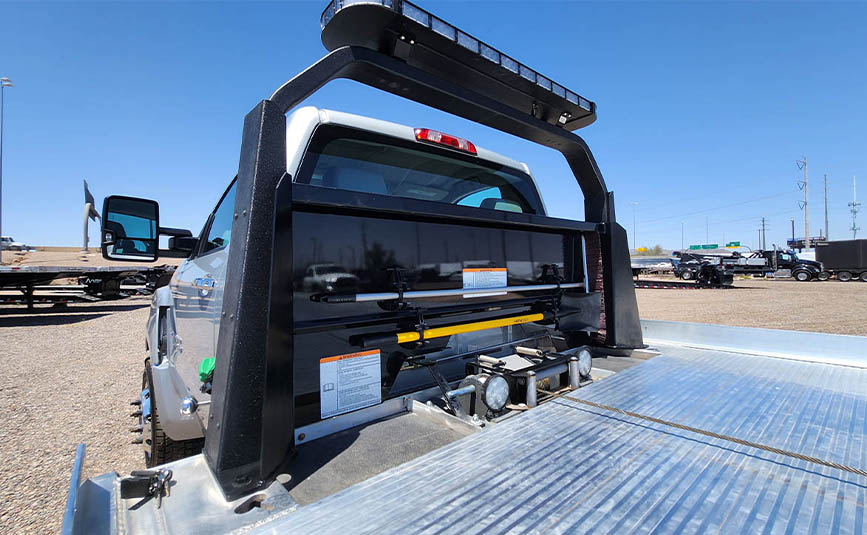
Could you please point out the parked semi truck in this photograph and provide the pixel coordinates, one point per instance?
(429, 387)
(845, 259)
(756, 263)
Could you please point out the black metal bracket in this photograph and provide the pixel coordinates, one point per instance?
(146, 484)
(453, 403)
(551, 275)
(398, 280)
(420, 326)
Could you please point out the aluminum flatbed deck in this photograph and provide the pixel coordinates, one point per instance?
(569, 467)
(572, 468)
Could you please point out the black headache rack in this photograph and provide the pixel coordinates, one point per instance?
(250, 436)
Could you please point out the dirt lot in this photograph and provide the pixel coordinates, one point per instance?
(67, 376)
(70, 257)
(830, 306)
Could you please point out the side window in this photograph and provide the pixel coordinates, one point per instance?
(490, 198)
(475, 199)
(221, 227)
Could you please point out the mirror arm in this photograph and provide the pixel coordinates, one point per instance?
(178, 232)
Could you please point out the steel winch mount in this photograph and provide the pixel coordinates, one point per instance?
(535, 363)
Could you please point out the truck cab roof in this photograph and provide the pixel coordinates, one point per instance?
(301, 124)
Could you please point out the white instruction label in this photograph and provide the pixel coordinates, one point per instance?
(349, 382)
(478, 278)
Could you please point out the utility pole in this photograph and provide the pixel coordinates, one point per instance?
(681, 235)
(793, 232)
(853, 207)
(826, 207)
(763, 234)
(802, 164)
(4, 83)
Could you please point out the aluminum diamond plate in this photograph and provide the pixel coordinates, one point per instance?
(569, 468)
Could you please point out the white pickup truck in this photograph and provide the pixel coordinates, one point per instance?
(445, 379)
(8, 243)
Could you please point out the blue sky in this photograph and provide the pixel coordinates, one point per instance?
(703, 108)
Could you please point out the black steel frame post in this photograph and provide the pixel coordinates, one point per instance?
(251, 420)
(621, 307)
(251, 424)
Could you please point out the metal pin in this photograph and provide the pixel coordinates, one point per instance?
(574, 375)
(531, 389)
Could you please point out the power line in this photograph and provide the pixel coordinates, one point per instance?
(720, 207)
(661, 227)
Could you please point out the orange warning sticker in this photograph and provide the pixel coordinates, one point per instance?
(479, 278)
(349, 382)
(349, 356)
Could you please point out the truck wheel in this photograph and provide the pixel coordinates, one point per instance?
(863, 276)
(844, 276)
(162, 449)
(802, 276)
(687, 275)
(823, 275)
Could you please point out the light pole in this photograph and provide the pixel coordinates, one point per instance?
(4, 83)
(681, 235)
(634, 242)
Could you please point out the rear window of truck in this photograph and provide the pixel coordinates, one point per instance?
(356, 160)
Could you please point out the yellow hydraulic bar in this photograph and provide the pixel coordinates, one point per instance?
(439, 332)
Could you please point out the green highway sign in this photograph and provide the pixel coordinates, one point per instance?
(694, 247)
(710, 246)
(733, 244)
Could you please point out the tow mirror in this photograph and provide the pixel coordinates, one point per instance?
(130, 229)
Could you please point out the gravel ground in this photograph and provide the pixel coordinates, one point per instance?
(67, 376)
(72, 258)
(828, 307)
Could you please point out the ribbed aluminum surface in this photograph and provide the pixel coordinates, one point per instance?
(568, 468)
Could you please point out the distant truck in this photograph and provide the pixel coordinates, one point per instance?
(756, 263)
(846, 259)
(8, 243)
(641, 266)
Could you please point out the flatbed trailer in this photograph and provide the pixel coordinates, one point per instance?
(97, 282)
(662, 284)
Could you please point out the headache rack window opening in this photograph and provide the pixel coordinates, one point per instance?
(358, 160)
